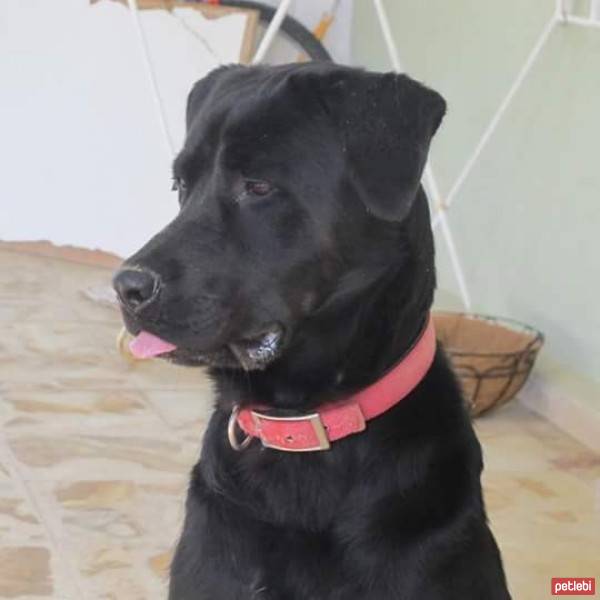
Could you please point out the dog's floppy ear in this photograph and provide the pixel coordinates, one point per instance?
(386, 122)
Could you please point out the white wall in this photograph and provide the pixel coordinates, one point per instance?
(82, 156)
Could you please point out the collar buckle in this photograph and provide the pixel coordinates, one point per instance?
(303, 433)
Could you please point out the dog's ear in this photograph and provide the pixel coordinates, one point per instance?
(202, 89)
(386, 122)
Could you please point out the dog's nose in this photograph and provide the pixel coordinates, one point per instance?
(136, 287)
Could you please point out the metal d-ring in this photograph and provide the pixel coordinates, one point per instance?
(232, 434)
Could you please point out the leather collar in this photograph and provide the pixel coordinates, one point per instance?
(333, 421)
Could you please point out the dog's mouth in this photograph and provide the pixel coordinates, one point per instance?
(250, 353)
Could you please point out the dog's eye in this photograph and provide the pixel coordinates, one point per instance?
(257, 187)
(179, 185)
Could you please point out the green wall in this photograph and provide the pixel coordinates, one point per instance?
(527, 221)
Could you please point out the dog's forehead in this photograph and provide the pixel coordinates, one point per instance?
(255, 109)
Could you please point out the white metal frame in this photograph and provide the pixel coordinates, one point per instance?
(440, 203)
(272, 30)
(158, 101)
(428, 177)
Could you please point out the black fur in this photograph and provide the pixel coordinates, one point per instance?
(338, 253)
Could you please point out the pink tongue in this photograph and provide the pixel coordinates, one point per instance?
(146, 345)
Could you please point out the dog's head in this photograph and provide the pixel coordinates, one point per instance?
(292, 184)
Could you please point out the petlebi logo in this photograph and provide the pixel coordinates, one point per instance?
(573, 586)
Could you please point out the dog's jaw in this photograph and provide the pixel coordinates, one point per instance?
(258, 352)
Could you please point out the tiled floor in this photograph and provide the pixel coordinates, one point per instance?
(95, 451)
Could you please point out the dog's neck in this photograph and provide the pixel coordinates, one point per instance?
(350, 344)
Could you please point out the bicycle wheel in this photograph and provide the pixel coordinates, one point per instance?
(294, 40)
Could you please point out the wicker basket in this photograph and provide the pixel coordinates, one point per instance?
(491, 357)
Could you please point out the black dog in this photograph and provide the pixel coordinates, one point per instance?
(300, 269)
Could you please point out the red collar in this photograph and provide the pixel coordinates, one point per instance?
(339, 419)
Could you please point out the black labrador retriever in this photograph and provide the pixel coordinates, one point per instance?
(300, 269)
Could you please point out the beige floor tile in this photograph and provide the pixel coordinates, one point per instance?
(19, 523)
(25, 571)
(110, 528)
(30, 564)
(138, 455)
(546, 517)
(75, 410)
